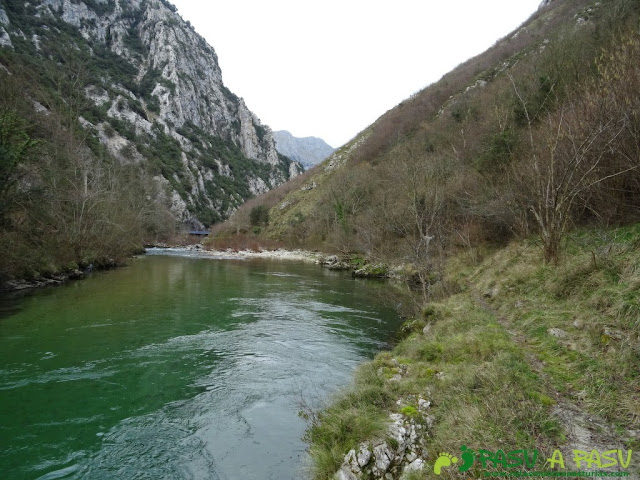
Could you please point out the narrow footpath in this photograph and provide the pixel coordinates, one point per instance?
(584, 430)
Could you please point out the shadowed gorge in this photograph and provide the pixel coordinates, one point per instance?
(497, 209)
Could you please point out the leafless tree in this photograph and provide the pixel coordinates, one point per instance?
(566, 160)
(412, 211)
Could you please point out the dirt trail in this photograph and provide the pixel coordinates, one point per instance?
(583, 430)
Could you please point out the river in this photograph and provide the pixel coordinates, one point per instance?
(179, 368)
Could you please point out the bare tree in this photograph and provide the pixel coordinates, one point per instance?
(412, 211)
(347, 193)
(566, 161)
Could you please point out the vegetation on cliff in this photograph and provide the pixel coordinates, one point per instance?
(115, 127)
(64, 201)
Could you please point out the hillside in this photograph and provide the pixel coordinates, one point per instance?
(150, 90)
(309, 151)
(504, 200)
(536, 134)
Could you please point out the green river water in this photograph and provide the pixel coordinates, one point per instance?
(179, 367)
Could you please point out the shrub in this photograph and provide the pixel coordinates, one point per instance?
(498, 152)
(259, 215)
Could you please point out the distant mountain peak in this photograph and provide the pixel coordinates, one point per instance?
(309, 151)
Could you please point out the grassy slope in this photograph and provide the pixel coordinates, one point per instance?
(300, 203)
(496, 377)
(594, 298)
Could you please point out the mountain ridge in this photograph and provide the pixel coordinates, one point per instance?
(309, 151)
(149, 75)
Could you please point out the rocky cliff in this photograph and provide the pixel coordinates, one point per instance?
(151, 90)
(309, 151)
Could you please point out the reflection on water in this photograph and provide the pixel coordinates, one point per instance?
(178, 368)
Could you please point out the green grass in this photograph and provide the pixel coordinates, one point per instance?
(594, 297)
(477, 370)
(482, 390)
(356, 415)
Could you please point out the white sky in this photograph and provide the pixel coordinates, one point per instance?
(330, 68)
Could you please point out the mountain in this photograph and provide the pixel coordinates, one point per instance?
(537, 135)
(150, 90)
(309, 151)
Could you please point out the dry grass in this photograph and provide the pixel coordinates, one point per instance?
(407, 117)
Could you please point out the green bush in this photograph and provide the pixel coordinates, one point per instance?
(499, 150)
(259, 215)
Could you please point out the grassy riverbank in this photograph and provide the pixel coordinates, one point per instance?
(522, 355)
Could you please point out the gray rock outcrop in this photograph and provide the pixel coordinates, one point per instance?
(4, 19)
(400, 452)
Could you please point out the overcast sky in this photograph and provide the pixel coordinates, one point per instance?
(330, 68)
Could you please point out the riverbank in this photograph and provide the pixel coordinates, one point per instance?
(59, 278)
(53, 279)
(523, 356)
(356, 265)
(199, 251)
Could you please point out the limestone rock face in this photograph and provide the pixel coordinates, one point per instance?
(4, 19)
(158, 83)
(5, 39)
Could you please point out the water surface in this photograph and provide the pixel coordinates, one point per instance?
(179, 368)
